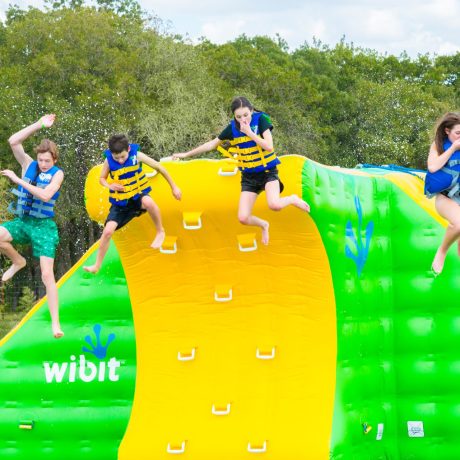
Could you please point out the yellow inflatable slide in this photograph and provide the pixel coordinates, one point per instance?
(236, 342)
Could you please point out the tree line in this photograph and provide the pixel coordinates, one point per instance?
(111, 67)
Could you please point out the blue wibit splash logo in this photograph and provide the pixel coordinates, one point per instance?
(98, 350)
(361, 249)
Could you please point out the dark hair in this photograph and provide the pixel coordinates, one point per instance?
(118, 143)
(47, 146)
(239, 102)
(447, 121)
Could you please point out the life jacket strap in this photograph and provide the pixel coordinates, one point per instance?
(246, 151)
(225, 152)
(120, 172)
(246, 161)
(138, 184)
(240, 140)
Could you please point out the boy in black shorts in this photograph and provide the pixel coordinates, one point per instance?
(129, 192)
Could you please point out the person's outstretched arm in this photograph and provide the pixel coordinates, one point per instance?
(142, 157)
(18, 138)
(203, 148)
(437, 160)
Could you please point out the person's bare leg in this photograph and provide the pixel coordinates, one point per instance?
(450, 210)
(154, 212)
(47, 269)
(6, 248)
(104, 243)
(276, 202)
(246, 204)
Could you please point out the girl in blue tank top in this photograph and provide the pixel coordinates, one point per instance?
(443, 152)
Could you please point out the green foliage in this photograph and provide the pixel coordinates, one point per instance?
(9, 320)
(394, 121)
(265, 72)
(27, 299)
(6, 197)
(180, 105)
(111, 68)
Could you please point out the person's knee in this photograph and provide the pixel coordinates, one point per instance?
(274, 205)
(107, 233)
(243, 218)
(5, 236)
(149, 204)
(47, 276)
(455, 226)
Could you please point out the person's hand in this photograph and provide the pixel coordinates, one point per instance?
(245, 127)
(47, 120)
(116, 187)
(456, 145)
(11, 175)
(176, 191)
(178, 156)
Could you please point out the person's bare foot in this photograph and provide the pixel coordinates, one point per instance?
(301, 204)
(13, 270)
(438, 262)
(91, 269)
(159, 238)
(57, 331)
(265, 234)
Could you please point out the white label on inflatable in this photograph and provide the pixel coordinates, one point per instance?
(415, 429)
(379, 432)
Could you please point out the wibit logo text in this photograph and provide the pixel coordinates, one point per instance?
(82, 369)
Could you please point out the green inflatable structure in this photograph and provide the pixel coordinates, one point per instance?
(397, 386)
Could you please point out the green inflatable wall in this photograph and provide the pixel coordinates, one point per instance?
(50, 410)
(398, 327)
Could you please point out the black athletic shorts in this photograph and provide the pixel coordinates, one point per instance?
(255, 182)
(123, 214)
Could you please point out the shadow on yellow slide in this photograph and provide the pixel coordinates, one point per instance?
(236, 349)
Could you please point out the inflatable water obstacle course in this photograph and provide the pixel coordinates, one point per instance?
(333, 342)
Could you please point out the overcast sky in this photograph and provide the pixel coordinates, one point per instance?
(391, 26)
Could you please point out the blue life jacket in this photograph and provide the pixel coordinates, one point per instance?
(445, 179)
(130, 175)
(28, 204)
(249, 155)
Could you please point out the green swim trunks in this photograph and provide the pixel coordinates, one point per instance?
(42, 234)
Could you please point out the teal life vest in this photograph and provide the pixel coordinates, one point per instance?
(249, 155)
(445, 179)
(130, 175)
(29, 205)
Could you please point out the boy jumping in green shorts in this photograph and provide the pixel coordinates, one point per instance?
(36, 195)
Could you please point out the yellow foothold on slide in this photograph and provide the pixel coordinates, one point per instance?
(192, 220)
(169, 245)
(247, 242)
